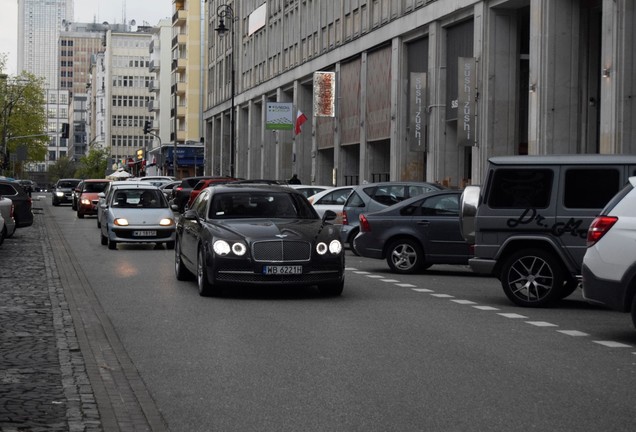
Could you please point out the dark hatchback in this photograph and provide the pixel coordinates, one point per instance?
(22, 203)
(416, 233)
(238, 235)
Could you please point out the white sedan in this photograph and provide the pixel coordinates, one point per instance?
(331, 199)
(137, 213)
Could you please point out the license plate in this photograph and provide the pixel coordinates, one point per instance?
(144, 233)
(282, 270)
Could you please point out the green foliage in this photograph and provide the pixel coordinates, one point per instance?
(62, 168)
(22, 113)
(94, 164)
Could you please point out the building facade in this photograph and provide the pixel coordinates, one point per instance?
(424, 89)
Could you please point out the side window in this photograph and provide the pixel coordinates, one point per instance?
(354, 200)
(7, 190)
(418, 190)
(520, 188)
(590, 188)
(440, 205)
(389, 195)
(200, 203)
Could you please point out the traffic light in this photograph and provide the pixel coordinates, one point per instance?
(65, 130)
(147, 127)
(140, 154)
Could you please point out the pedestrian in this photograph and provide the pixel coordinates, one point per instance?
(294, 180)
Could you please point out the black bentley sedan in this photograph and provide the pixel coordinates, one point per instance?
(251, 234)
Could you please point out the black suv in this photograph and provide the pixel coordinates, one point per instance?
(63, 191)
(22, 212)
(529, 221)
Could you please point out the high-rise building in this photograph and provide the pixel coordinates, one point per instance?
(39, 26)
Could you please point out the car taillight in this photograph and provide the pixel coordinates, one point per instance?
(345, 221)
(599, 227)
(364, 224)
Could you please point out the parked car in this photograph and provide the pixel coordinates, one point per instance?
(331, 199)
(308, 190)
(372, 197)
(609, 263)
(158, 180)
(137, 213)
(88, 196)
(529, 220)
(242, 234)
(28, 185)
(63, 191)
(7, 226)
(415, 233)
(202, 184)
(181, 193)
(22, 212)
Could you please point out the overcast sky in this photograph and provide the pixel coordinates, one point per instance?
(142, 11)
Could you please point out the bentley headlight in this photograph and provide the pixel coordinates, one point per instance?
(221, 247)
(321, 248)
(121, 222)
(166, 222)
(335, 247)
(239, 249)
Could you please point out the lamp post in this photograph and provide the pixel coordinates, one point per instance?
(222, 12)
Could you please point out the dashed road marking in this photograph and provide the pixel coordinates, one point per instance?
(541, 324)
(375, 276)
(362, 272)
(612, 344)
(486, 308)
(442, 295)
(512, 315)
(389, 280)
(406, 285)
(464, 302)
(574, 333)
(423, 290)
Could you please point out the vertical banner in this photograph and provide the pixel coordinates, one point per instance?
(279, 116)
(324, 94)
(466, 101)
(417, 111)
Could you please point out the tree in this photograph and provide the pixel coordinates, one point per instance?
(94, 164)
(62, 168)
(22, 113)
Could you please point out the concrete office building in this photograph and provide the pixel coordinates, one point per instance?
(424, 89)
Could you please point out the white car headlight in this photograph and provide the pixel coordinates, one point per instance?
(166, 222)
(221, 247)
(321, 248)
(121, 222)
(335, 247)
(86, 201)
(239, 249)
(60, 194)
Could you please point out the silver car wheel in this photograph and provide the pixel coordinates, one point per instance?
(404, 257)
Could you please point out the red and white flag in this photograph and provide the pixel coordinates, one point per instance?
(300, 119)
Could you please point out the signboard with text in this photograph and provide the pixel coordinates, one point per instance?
(417, 111)
(279, 116)
(466, 105)
(324, 94)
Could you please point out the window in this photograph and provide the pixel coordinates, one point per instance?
(590, 187)
(520, 188)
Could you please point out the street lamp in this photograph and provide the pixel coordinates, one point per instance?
(222, 12)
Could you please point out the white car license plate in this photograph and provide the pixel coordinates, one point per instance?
(144, 233)
(282, 270)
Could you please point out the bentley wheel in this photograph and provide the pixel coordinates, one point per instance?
(180, 271)
(405, 256)
(206, 288)
(532, 278)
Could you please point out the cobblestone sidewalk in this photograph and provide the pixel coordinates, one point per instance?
(43, 381)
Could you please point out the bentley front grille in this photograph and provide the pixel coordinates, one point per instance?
(281, 251)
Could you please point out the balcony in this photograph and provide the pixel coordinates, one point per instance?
(179, 17)
(181, 111)
(153, 105)
(153, 65)
(180, 39)
(179, 64)
(154, 86)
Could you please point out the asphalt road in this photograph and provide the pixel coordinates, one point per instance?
(439, 351)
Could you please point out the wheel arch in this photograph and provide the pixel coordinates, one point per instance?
(514, 245)
(400, 236)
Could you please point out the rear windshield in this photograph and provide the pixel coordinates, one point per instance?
(67, 184)
(95, 187)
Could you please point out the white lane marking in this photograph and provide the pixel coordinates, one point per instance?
(423, 290)
(442, 295)
(512, 315)
(361, 272)
(486, 308)
(612, 344)
(389, 280)
(374, 276)
(351, 268)
(406, 285)
(574, 333)
(464, 302)
(541, 324)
